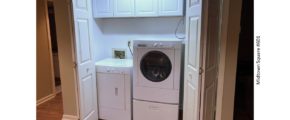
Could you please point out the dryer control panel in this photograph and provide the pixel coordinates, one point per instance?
(157, 44)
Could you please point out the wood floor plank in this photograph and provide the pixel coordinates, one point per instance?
(50, 110)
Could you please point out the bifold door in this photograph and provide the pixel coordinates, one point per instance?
(201, 57)
(86, 75)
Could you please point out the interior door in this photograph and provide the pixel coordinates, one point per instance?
(85, 64)
(192, 60)
(210, 59)
(201, 59)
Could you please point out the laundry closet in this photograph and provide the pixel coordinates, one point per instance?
(130, 56)
(140, 59)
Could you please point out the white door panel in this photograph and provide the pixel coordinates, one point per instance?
(86, 75)
(191, 104)
(87, 93)
(193, 43)
(83, 40)
(192, 61)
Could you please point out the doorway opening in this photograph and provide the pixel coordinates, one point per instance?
(54, 48)
(52, 109)
(244, 97)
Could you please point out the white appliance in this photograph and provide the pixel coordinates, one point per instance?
(156, 79)
(114, 78)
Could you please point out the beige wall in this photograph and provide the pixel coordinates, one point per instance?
(44, 60)
(65, 52)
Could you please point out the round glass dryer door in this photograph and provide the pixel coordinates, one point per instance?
(155, 66)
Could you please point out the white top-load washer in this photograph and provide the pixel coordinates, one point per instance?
(156, 75)
(114, 78)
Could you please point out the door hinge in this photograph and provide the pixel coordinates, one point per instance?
(200, 70)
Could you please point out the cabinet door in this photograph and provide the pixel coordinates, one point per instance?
(124, 8)
(170, 7)
(146, 8)
(103, 8)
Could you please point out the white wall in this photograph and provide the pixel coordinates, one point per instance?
(116, 32)
(98, 42)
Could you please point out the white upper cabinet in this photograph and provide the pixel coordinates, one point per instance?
(103, 8)
(124, 8)
(137, 8)
(170, 7)
(146, 8)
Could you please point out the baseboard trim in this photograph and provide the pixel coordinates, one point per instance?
(45, 99)
(69, 117)
(57, 89)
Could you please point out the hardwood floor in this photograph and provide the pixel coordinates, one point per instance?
(50, 110)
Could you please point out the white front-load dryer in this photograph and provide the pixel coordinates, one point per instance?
(156, 79)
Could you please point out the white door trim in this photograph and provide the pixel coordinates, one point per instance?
(229, 38)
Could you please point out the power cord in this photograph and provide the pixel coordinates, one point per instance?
(175, 33)
(129, 44)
